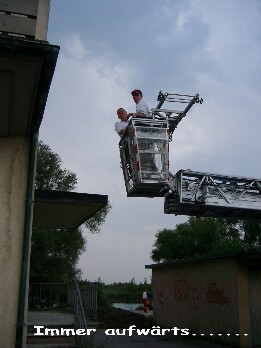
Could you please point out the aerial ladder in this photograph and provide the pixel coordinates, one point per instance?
(144, 153)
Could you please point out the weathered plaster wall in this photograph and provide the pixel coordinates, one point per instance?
(203, 297)
(13, 181)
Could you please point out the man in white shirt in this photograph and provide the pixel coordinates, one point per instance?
(120, 126)
(142, 108)
(145, 301)
(143, 111)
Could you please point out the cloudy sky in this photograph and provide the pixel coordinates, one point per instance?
(109, 48)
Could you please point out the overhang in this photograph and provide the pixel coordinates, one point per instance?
(26, 71)
(59, 209)
(250, 258)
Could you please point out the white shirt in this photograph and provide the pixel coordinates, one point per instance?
(142, 106)
(120, 126)
(144, 296)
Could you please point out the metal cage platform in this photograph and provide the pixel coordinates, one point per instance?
(144, 152)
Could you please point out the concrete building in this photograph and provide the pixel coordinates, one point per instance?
(27, 64)
(218, 297)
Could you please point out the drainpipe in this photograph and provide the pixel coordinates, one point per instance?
(21, 325)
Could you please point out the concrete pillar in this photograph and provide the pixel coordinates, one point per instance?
(34, 20)
(42, 20)
(14, 152)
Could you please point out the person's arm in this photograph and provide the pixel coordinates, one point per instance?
(142, 109)
(136, 114)
(121, 132)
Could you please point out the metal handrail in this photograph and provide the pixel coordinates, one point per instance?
(80, 320)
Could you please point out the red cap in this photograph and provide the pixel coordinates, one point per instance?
(136, 92)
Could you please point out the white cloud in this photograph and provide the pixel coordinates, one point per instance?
(183, 18)
(74, 47)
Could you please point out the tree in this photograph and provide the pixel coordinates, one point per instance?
(95, 222)
(49, 174)
(55, 252)
(205, 236)
(252, 232)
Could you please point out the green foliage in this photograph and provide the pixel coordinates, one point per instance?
(204, 237)
(49, 174)
(102, 300)
(94, 223)
(252, 232)
(129, 292)
(55, 252)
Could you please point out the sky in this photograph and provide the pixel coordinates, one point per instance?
(109, 48)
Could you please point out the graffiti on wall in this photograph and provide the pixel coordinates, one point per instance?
(185, 291)
(181, 290)
(217, 295)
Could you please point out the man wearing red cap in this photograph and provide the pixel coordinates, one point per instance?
(143, 111)
(142, 108)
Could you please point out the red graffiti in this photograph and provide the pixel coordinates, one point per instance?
(181, 290)
(217, 296)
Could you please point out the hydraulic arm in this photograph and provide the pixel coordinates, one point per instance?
(144, 152)
(205, 194)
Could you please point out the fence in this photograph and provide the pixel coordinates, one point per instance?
(89, 298)
(47, 295)
(59, 295)
(80, 319)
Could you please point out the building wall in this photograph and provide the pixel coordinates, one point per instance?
(254, 277)
(13, 180)
(244, 305)
(27, 18)
(203, 297)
